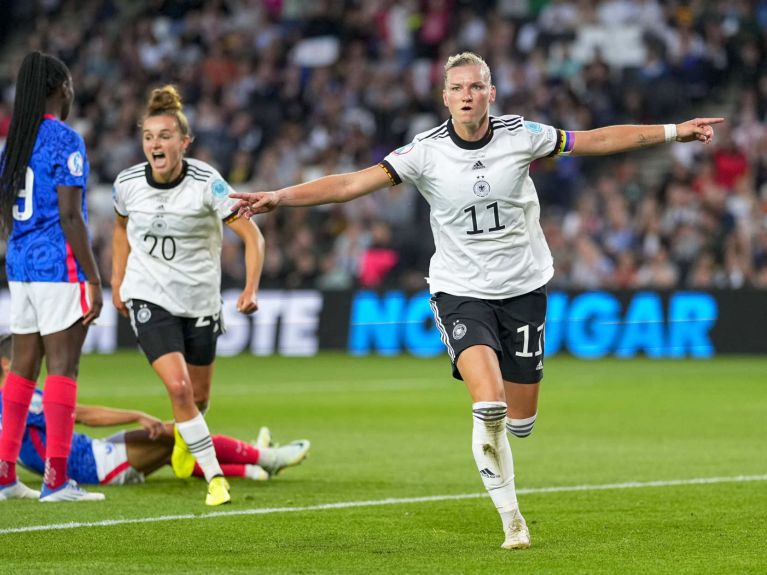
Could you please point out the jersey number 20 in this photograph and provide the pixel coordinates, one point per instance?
(166, 244)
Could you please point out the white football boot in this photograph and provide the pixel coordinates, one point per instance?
(18, 490)
(69, 491)
(275, 459)
(517, 533)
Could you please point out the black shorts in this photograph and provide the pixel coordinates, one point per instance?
(513, 327)
(159, 332)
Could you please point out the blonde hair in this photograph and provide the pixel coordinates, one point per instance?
(467, 59)
(166, 101)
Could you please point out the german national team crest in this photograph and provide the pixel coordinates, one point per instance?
(459, 330)
(159, 225)
(143, 314)
(481, 187)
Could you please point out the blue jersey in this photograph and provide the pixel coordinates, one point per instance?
(81, 465)
(37, 248)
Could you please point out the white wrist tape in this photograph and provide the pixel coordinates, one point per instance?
(670, 132)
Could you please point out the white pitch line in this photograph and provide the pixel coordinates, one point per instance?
(380, 502)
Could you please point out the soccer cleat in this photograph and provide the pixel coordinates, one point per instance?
(517, 534)
(286, 456)
(255, 472)
(181, 460)
(68, 491)
(218, 491)
(18, 490)
(264, 438)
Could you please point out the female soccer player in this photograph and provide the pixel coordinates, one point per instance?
(489, 272)
(166, 273)
(52, 275)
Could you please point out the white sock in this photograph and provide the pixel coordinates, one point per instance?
(521, 427)
(197, 436)
(255, 472)
(492, 453)
(267, 456)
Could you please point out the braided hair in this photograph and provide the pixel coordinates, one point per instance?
(40, 76)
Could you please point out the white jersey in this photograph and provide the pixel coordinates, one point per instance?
(484, 207)
(174, 232)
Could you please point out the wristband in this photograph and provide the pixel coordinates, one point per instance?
(669, 131)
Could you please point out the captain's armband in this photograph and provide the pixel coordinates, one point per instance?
(565, 142)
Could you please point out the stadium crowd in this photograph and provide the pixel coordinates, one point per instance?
(282, 91)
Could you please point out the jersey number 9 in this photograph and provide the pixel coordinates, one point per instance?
(25, 195)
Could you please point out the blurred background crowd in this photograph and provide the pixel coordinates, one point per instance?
(283, 91)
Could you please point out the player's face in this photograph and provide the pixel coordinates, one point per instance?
(468, 95)
(164, 146)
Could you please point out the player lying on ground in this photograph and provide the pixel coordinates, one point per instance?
(129, 455)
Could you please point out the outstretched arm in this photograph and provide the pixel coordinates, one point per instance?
(613, 139)
(97, 416)
(333, 189)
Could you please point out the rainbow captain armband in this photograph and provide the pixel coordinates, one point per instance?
(565, 142)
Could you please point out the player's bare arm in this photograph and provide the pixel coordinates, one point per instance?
(73, 225)
(98, 416)
(334, 189)
(253, 239)
(120, 251)
(614, 139)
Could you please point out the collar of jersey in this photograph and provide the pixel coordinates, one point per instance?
(465, 144)
(162, 185)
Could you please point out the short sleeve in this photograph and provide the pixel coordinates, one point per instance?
(69, 161)
(544, 139)
(217, 196)
(118, 200)
(405, 164)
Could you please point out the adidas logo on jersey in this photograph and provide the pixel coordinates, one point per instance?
(478, 165)
(539, 366)
(486, 472)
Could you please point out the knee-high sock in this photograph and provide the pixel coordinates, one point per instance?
(59, 400)
(17, 394)
(492, 454)
(231, 450)
(197, 436)
(521, 427)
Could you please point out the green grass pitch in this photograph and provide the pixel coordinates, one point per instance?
(399, 428)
